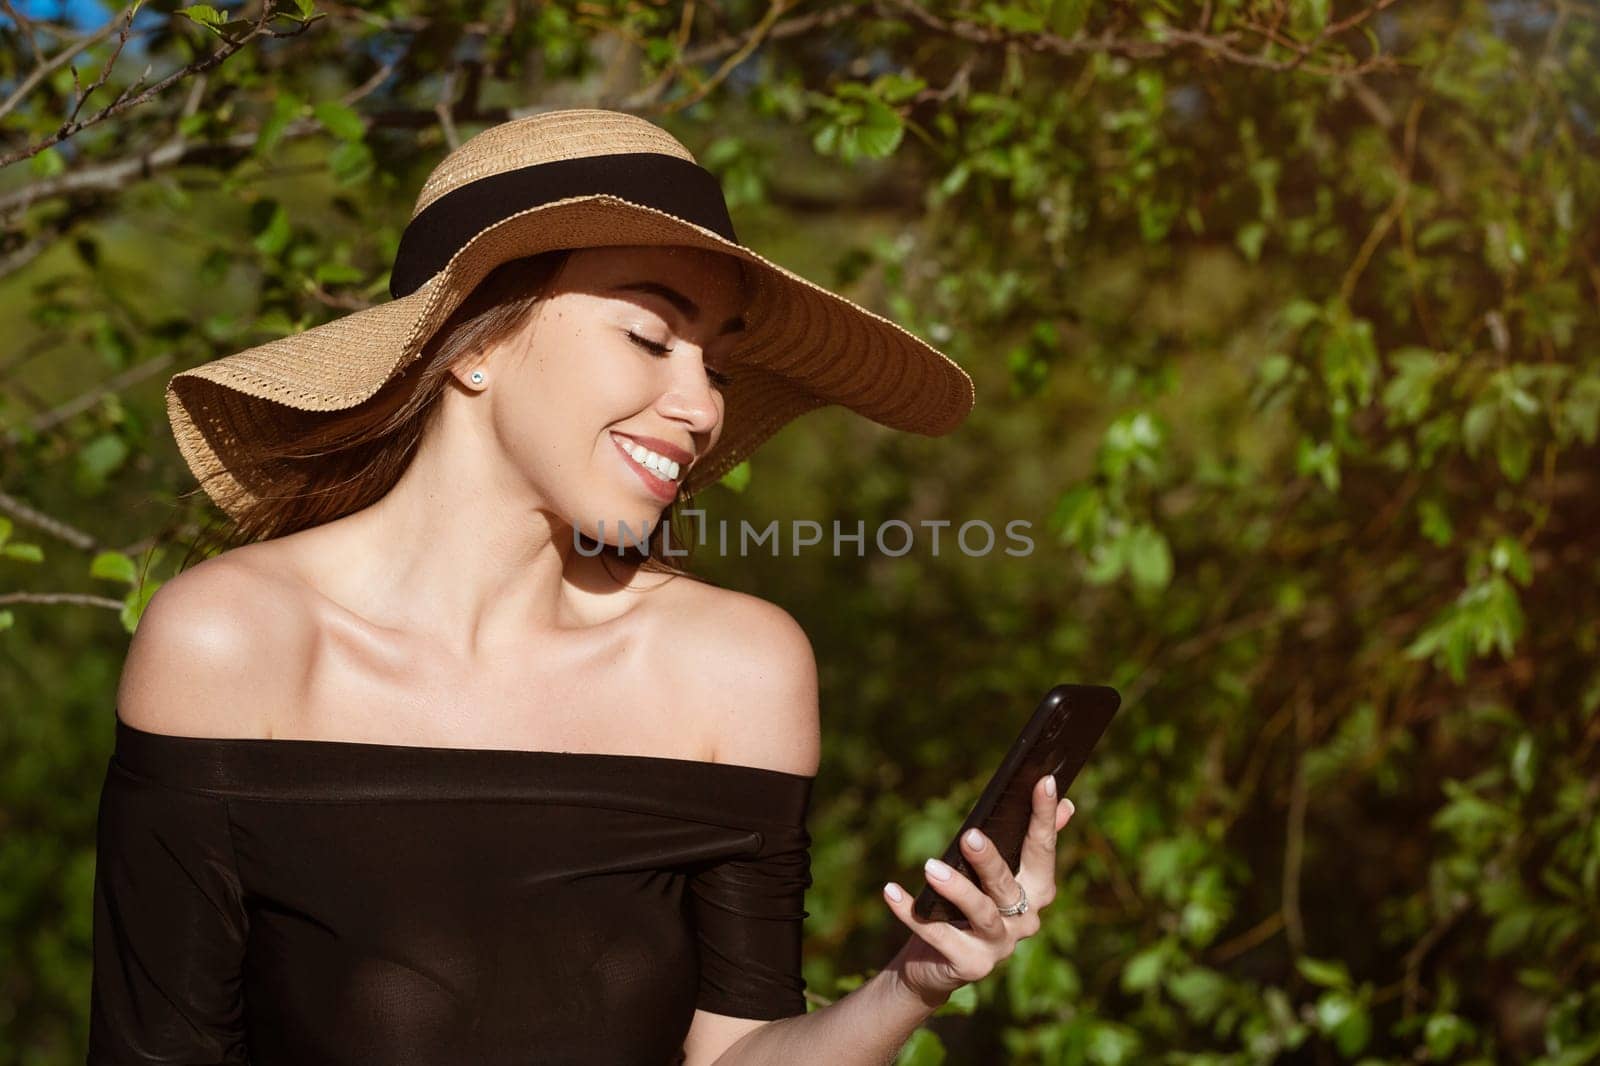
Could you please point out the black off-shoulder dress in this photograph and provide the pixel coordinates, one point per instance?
(298, 902)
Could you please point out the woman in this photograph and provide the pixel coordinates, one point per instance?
(421, 775)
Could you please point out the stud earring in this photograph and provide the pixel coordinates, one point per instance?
(477, 377)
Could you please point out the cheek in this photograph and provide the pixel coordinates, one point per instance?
(553, 410)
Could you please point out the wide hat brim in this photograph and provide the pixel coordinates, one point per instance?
(806, 348)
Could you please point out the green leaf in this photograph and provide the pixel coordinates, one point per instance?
(1132, 442)
(1349, 361)
(1013, 17)
(1037, 979)
(1110, 1044)
(137, 600)
(1486, 616)
(286, 107)
(1477, 424)
(1507, 555)
(963, 1000)
(1513, 451)
(1344, 1017)
(1079, 516)
(1107, 560)
(1329, 973)
(338, 274)
(7, 620)
(98, 459)
(204, 15)
(1143, 972)
(738, 478)
(1444, 1033)
(114, 566)
(26, 553)
(272, 234)
(897, 88)
(858, 124)
(1434, 522)
(1436, 232)
(879, 134)
(194, 125)
(1300, 313)
(1319, 458)
(923, 1049)
(1580, 411)
(1524, 763)
(1410, 392)
(340, 120)
(1250, 238)
(47, 164)
(351, 162)
(1202, 992)
(1510, 931)
(1067, 17)
(1149, 558)
(1308, 17)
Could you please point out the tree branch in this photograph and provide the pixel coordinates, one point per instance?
(78, 404)
(23, 512)
(82, 599)
(54, 63)
(1160, 42)
(1295, 843)
(123, 102)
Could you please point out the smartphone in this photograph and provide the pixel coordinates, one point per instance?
(1057, 740)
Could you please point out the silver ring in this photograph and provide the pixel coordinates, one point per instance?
(1020, 906)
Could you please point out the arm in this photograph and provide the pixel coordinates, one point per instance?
(868, 1027)
(169, 930)
(170, 925)
(774, 672)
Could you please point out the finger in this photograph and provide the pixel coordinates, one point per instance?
(1038, 864)
(998, 882)
(980, 910)
(942, 936)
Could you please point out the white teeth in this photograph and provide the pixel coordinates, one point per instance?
(659, 465)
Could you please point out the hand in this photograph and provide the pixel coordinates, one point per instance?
(942, 956)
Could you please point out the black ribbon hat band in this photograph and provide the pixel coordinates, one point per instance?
(653, 179)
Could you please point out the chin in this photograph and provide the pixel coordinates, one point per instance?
(641, 524)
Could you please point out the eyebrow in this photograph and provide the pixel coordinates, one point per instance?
(687, 307)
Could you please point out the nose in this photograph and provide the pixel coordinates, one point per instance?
(690, 397)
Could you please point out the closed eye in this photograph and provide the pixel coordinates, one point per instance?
(717, 377)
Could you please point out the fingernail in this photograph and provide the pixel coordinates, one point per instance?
(937, 869)
(975, 839)
(1072, 808)
(894, 892)
(1050, 785)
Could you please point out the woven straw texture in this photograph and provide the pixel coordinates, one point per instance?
(806, 347)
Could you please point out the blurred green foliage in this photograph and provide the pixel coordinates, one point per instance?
(1283, 318)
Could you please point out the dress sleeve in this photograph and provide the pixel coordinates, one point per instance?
(169, 929)
(749, 913)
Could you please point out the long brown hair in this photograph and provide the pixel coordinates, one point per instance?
(343, 461)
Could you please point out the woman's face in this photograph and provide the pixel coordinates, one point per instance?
(625, 353)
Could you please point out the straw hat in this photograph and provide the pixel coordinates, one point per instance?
(565, 179)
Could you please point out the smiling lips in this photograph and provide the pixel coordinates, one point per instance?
(657, 471)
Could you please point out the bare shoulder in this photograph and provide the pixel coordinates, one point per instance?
(213, 651)
(750, 668)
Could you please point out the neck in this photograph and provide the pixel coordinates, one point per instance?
(465, 551)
